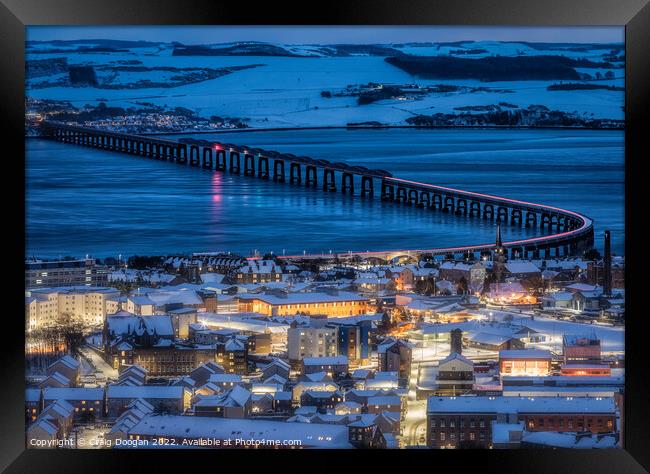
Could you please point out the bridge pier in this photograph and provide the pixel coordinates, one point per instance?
(425, 200)
(450, 205)
(437, 201)
(263, 167)
(387, 191)
(235, 163)
(367, 186)
(179, 152)
(475, 209)
(488, 211)
(278, 171)
(220, 156)
(531, 219)
(573, 248)
(413, 197)
(347, 183)
(295, 175)
(194, 153)
(515, 217)
(311, 178)
(207, 158)
(329, 183)
(249, 165)
(560, 223)
(168, 153)
(402, 195)
(461, 207)
(502, 214)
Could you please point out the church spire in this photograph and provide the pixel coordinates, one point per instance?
(499, 258)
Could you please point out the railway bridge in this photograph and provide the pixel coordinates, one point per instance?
(564, 232)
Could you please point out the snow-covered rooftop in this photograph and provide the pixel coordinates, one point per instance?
(311, 435)
(521, 405)
(145, 391)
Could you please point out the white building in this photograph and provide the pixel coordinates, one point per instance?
(311, 342)
(89, 305)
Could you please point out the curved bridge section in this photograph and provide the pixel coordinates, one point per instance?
(565, 233)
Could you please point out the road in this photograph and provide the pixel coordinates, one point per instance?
(414, 423)
(102, 368)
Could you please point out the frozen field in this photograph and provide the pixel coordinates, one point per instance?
(286, 91)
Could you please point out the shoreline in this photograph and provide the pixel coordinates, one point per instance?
(382, 127)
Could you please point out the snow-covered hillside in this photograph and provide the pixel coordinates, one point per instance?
(308, 89)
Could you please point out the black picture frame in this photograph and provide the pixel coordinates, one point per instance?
(633, 14)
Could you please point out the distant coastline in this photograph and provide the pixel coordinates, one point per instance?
(382, 127)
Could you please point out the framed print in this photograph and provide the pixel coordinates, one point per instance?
(384, 230)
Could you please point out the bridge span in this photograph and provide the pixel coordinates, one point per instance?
(564, 232)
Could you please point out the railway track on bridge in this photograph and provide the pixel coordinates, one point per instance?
(567, 233)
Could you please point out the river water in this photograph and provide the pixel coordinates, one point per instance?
(83, 201)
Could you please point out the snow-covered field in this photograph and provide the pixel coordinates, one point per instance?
(286, 91)
(612, 339)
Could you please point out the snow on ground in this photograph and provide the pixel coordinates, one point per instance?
(286, 91)
(612, 339)
(436, 351)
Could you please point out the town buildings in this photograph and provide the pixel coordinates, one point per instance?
(85, 305)
(320, 349)
(54, 273)
(471, 275)
(468, 421)
(340, 305)
(525, 362)
(259, 271)
(455, 375)
(395, 355)
(311, 341)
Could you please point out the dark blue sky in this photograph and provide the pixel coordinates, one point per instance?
(329, 34)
